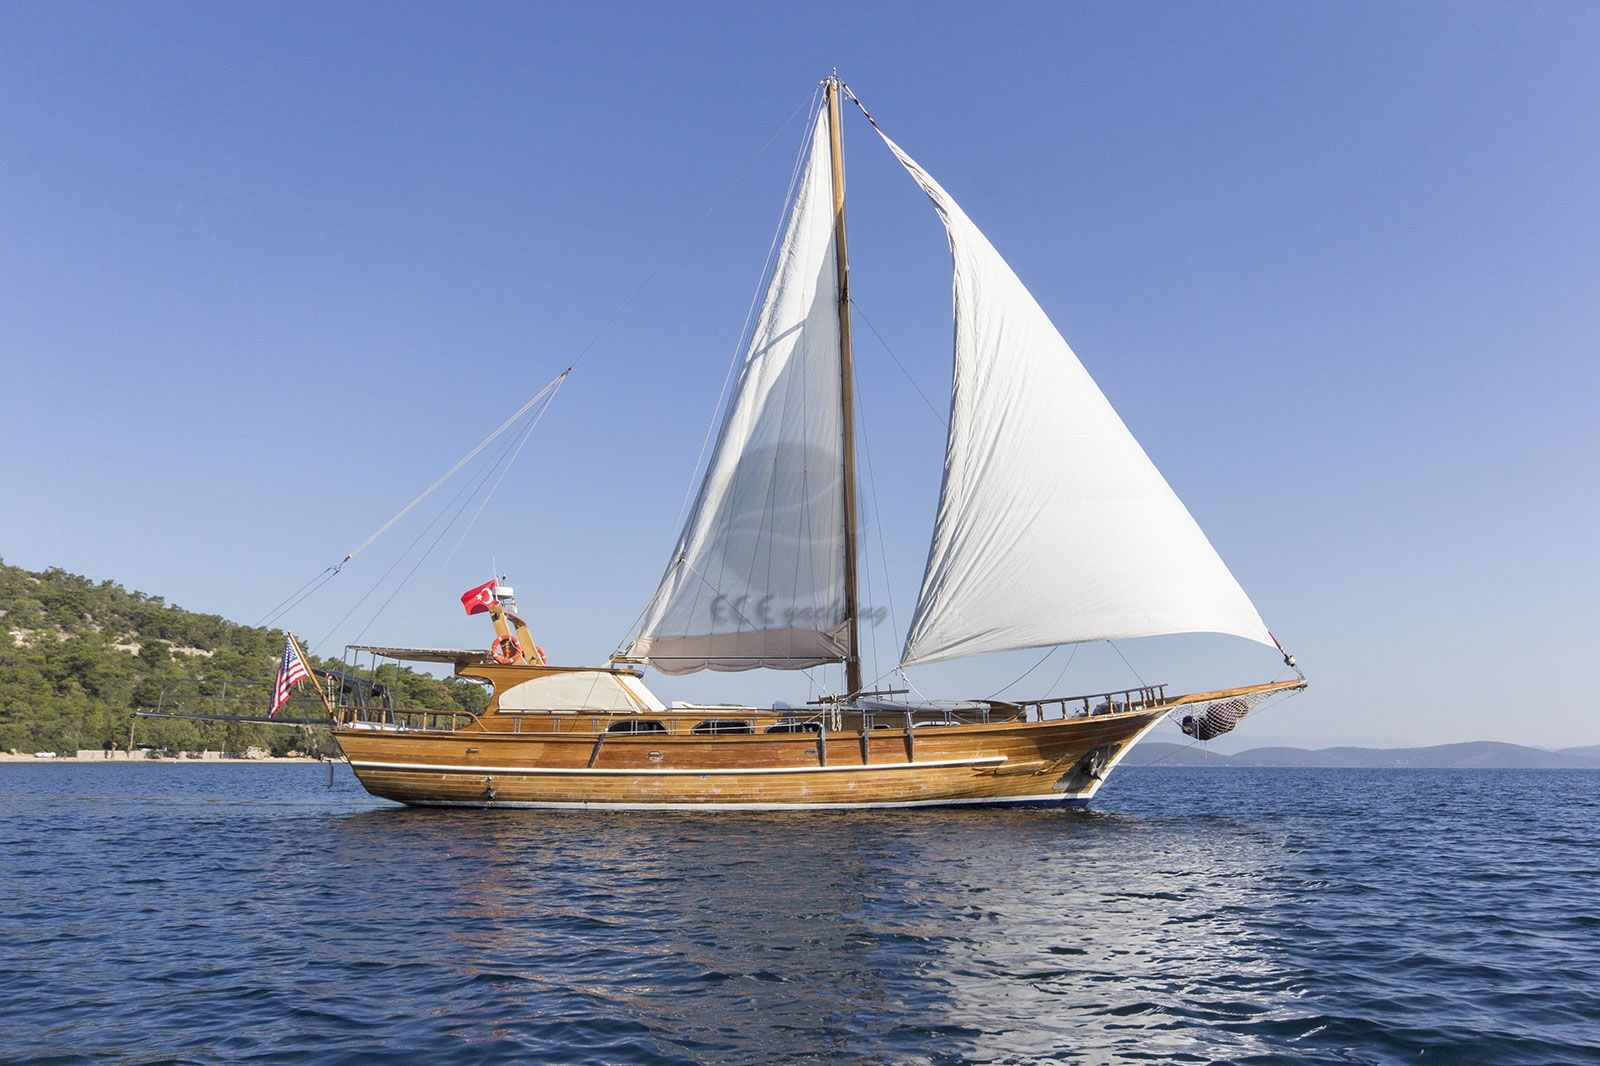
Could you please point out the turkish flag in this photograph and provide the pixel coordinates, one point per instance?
(479, 599)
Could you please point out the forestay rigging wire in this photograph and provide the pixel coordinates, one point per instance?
(877, 508)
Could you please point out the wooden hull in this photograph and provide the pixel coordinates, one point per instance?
(1051, 762)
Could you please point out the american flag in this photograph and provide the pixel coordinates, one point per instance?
(291, 672)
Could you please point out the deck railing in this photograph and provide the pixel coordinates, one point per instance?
(1118, 701)
(403, 719)
(695, 721)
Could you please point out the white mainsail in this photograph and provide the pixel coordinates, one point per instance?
(1053, 525)
(757, 577)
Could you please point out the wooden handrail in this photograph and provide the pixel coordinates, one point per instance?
(349, 715)
(1144, 694)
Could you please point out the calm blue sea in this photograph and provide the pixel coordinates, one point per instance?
(241, 913)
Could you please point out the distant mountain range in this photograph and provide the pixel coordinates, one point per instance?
(1475, 755)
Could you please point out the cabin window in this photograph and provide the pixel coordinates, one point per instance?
(636, 725)
(716, 726)
(790, 725)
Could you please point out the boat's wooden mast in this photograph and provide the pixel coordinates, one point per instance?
(852, 662)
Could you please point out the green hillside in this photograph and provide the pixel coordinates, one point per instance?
(78, 657)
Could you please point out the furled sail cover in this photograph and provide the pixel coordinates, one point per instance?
(757, 578)
(1053, 525)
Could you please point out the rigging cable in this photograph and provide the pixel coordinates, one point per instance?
(476, 484)
(305, 591)
(315, 583)
(913, 381)
(513, 448)
(466, 489)
(1064, 667)
(465, 459)
(295, 598)
(877, 510)
(1176, 752)
(1130, 666)
(872, 631)
(1288, 660)
(872, 481)
(1025, 673)
(482, 505)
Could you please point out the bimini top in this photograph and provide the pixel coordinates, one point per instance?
(427, 655)
(473, 657)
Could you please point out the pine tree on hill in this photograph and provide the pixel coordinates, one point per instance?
(78, 657)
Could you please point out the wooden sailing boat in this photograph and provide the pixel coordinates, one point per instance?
(1053, 527)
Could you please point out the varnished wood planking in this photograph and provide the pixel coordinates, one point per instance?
(1035, 755)
(1021, 759)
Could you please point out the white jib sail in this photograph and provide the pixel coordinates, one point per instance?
(757, 578)
(1053, 525)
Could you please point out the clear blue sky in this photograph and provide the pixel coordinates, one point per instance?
(266, 270)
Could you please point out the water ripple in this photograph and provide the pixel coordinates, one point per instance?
(219, 914)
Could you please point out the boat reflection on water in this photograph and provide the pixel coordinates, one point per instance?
(958, 935)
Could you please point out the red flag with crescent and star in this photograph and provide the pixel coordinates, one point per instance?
(480, 599)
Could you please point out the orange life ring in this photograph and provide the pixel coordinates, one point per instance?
(543, 658)
(506, 650)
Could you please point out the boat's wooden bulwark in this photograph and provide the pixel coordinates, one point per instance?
(994, 763)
